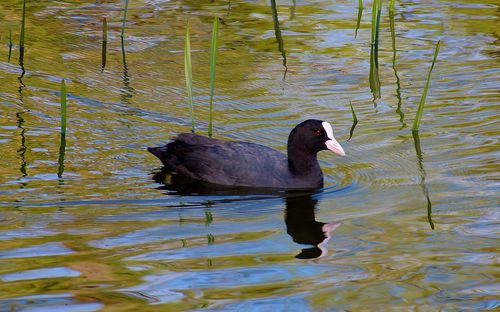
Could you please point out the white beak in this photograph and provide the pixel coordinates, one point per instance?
(332, 144)
(335, 147)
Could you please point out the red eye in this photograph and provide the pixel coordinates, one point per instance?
(318, 132)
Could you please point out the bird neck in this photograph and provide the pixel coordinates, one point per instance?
(302, 162)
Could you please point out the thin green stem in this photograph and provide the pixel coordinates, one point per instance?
(124, 18)
(63, 106)
(360, 14)
(189, 76)
(420, 110)
(23, 32)
(213, 61)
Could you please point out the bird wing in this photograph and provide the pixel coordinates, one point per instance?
(225, 162)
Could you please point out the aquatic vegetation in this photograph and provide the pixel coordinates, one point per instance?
(213, 61)
(189, 76)
(374, 74)
(125, 11)
(104, 42)
(423, 185)
(393, 32)
(63, 107)
(360, 14)
(23, 32)
(277, 33)
(420, 110)
(354, 121)
(398, 83)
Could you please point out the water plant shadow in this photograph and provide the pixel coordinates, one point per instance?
(10, 45)
(20, 121)
(128, 91)
(104, 43)
(398, 83)
(23, 148)
(62, 152)
(279, 37)
(62, 146)
(354, 121)
(423, 185)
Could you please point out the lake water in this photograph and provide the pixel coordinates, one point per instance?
(402, 223)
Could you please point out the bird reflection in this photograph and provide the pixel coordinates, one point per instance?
(299, 214)
(302, 226)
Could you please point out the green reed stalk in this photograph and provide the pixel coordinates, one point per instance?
(23, 31)
(360, 14)
(279, 37)
(354, 121)
(420, 110)
(393, 32)
(104, 42)
(374, 75)
(125, 11)
(376, 9)
(189, 76)
(63, 107)
(213, 61)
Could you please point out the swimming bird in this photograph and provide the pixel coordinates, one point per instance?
(246, 164)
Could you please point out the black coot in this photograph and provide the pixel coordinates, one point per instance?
(252, 165)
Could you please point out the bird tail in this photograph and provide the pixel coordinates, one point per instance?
(157, 151)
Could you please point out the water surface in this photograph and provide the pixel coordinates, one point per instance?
(108, 237)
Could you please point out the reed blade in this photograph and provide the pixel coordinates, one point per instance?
(189, 76)
(125, 11)
(420, 110)
(374, 77)
(63, 106)
(279, 37)
(393, 32)
(104, 42)
(292, 9)
(23, 32)
(360, 14)
(354, 121)
(213, 61)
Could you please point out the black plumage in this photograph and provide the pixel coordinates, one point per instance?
(248, 164)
